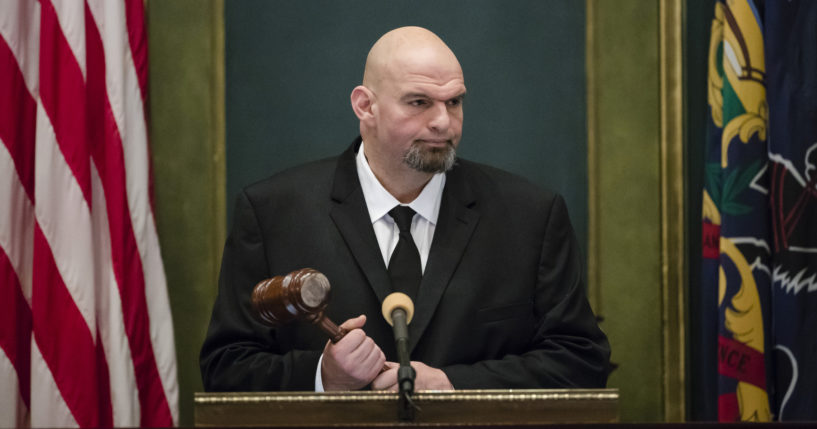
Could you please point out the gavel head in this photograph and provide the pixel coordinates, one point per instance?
(301, 295)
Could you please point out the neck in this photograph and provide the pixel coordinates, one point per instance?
(404, 183)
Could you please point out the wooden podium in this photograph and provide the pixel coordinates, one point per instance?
(367, 408)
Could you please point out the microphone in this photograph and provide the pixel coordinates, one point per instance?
(398, 310)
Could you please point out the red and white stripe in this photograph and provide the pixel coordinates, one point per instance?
(87, 336)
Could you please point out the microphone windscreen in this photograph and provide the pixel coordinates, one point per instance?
(394, 301)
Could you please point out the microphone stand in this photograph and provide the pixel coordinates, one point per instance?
(397, 310)
(405, 373)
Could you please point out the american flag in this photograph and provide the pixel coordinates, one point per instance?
(86, 335)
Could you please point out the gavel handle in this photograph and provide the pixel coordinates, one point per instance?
(334, 331)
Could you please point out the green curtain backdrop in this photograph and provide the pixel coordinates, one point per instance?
(291, 66)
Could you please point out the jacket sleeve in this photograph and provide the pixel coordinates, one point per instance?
(567, 348)
(240, 353)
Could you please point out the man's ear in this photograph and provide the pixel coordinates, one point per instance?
(362, 100)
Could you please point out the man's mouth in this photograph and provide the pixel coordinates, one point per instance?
(435, 142)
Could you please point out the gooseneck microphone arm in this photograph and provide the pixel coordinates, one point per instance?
(397, 310)
(405, 374)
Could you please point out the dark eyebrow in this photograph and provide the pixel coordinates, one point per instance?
(413, 95)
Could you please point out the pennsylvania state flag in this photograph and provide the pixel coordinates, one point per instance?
(791, 84)
(760, 208)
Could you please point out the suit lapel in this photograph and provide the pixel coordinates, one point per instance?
(455, 225)
(352, 220)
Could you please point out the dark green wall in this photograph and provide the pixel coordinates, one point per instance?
(290, 67)
(702, 351)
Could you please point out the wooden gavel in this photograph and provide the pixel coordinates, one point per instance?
(303, 295)
(300, 295)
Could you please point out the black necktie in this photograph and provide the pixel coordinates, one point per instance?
(404, 266)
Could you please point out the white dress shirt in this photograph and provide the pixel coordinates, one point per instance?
(379, 202)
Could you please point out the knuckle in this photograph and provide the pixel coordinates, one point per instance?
(356, 334)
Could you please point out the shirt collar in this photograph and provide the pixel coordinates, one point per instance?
(379, 201)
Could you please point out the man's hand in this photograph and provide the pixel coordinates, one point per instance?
(428, 378)
(354, 361)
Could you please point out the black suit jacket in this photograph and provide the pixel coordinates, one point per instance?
(501, 303)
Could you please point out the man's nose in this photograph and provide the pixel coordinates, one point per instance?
(440, 117)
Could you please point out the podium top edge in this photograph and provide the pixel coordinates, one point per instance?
(598, 395)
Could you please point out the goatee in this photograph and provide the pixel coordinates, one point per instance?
(430, 160)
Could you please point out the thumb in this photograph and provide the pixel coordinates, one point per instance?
(355, 323)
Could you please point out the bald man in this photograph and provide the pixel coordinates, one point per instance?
(500, 302)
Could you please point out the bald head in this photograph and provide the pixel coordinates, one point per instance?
(410, 109)
(407, 48)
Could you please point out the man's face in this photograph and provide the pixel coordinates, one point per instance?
(418, 113)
